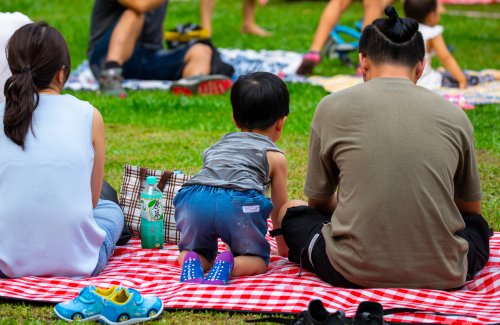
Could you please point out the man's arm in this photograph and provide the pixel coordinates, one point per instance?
(468, 208)
(326, 206)
(141, 6)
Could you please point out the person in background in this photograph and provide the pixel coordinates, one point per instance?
(248, 25)
(329, 18)
(9, 23)
(126, 41)
(52, 221)
(426, 13)
(227, 198)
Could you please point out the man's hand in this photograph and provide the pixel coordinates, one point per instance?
(141, 6)
(468, 208)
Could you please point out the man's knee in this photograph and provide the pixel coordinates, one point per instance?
(286, 206)
(199, 50)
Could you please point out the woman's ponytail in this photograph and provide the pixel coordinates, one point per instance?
(35, 53)
(20, 92)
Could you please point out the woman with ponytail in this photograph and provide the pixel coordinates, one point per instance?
(394, 195)
(52, 222)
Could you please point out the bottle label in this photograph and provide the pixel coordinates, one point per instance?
(151, 209)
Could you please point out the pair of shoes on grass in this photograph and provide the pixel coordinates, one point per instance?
(110, 84)
(110, 306)
(368, 313)
(192, 272)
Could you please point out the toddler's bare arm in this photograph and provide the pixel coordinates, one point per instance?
(279, 193)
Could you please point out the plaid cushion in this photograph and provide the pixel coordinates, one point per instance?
(132, 186)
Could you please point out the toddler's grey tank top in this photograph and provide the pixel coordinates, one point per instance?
(238, 161)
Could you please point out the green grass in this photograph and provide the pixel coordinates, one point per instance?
(162, 131)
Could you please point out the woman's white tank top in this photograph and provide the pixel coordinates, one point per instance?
(46, 214)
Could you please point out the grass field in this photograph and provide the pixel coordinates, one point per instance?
(159, 130)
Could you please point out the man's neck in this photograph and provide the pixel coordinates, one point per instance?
(390, 71)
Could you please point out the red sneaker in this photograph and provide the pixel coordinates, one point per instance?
(202, 85)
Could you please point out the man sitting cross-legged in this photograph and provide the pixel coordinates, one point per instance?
(392, 181)
(126, 41)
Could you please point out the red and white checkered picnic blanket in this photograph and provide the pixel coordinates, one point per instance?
(279, 290)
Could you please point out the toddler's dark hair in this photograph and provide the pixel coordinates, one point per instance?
(419, 9)
(393, 40)
(259, 99)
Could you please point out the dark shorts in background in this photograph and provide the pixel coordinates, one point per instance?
(450, 81)
(302, 227)
(145, 64)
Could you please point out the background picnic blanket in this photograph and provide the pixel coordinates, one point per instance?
(279, 290)
(485, 93)
(282, 63)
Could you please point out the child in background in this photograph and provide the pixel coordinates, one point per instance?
(226, 198)
(426, 13)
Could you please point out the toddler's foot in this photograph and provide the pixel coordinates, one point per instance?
(309, 61)
(192, 272)
(223, 266)
(255, 29)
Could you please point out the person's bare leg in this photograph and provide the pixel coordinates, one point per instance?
(249, 26)
(197, 61)
(206, 13)
(329, 18)
(373, 10)
(248, 265)
(205, 264)
(286, 206)
(125, 36)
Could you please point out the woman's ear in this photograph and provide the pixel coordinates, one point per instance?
(59, 79)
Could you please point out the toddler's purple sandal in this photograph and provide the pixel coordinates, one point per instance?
(192, 271)
(223, 266)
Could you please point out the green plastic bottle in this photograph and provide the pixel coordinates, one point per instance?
(151, 216)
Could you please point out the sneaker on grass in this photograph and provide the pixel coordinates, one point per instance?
(220, 272)
(110, 83)
(87, 306)
(192, 272)
(129, 307)
(202, 85)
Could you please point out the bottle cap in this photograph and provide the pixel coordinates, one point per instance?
(151, 180)
(177, 172)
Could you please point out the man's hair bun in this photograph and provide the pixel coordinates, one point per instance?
(393, 40)
(391, 13)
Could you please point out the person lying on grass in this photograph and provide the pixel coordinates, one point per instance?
(226, 198)
(426, 13)
(394, 194)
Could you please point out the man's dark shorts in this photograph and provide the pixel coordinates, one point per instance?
(145, 64)
(302, 227)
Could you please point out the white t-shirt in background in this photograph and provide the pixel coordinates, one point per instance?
(9, 23)
(431, 79)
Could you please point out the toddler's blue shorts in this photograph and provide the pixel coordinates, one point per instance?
(204, 213)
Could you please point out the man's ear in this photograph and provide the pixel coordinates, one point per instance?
(235, 123)
(280, 124)
(363, 63)
(420, 69)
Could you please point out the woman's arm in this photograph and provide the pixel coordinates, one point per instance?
(98, 141)
(448, 60)
(278, 172)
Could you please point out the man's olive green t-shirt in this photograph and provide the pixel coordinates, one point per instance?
(399, 155)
